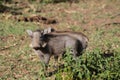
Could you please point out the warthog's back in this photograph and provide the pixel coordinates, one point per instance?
(78, 35)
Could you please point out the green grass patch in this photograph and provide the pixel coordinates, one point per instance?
(15, 28)
(100, 61)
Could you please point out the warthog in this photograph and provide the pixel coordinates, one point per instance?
(49, 42)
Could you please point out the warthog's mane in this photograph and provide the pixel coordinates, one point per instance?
(71, 32)
(37, 30)
(55, 33)
(64, 32)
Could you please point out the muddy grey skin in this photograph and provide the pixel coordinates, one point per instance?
(78, 35)
(49, 42)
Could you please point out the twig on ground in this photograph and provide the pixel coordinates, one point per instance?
(8, 47)
(115, 23)
(115, 15)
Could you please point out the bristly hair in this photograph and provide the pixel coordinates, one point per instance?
(37, 30)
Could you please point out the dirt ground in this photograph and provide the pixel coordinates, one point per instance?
(99, 20)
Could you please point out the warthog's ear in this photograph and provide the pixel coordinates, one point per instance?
(48, 30)
(30, 33)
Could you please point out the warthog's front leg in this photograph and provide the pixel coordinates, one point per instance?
(41, 57)
(47, 58)
(40, 54)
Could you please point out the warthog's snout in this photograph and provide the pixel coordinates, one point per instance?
(35, 44)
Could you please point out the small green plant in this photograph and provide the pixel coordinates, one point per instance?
(93, 65)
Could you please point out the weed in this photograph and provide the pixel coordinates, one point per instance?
(92, 65)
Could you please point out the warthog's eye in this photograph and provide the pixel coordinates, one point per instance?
(42, 38)
(36, 48)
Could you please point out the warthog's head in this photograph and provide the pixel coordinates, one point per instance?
(38, 39)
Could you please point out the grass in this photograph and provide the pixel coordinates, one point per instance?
(100, 60)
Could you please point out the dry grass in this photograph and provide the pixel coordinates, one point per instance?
(99, 20)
